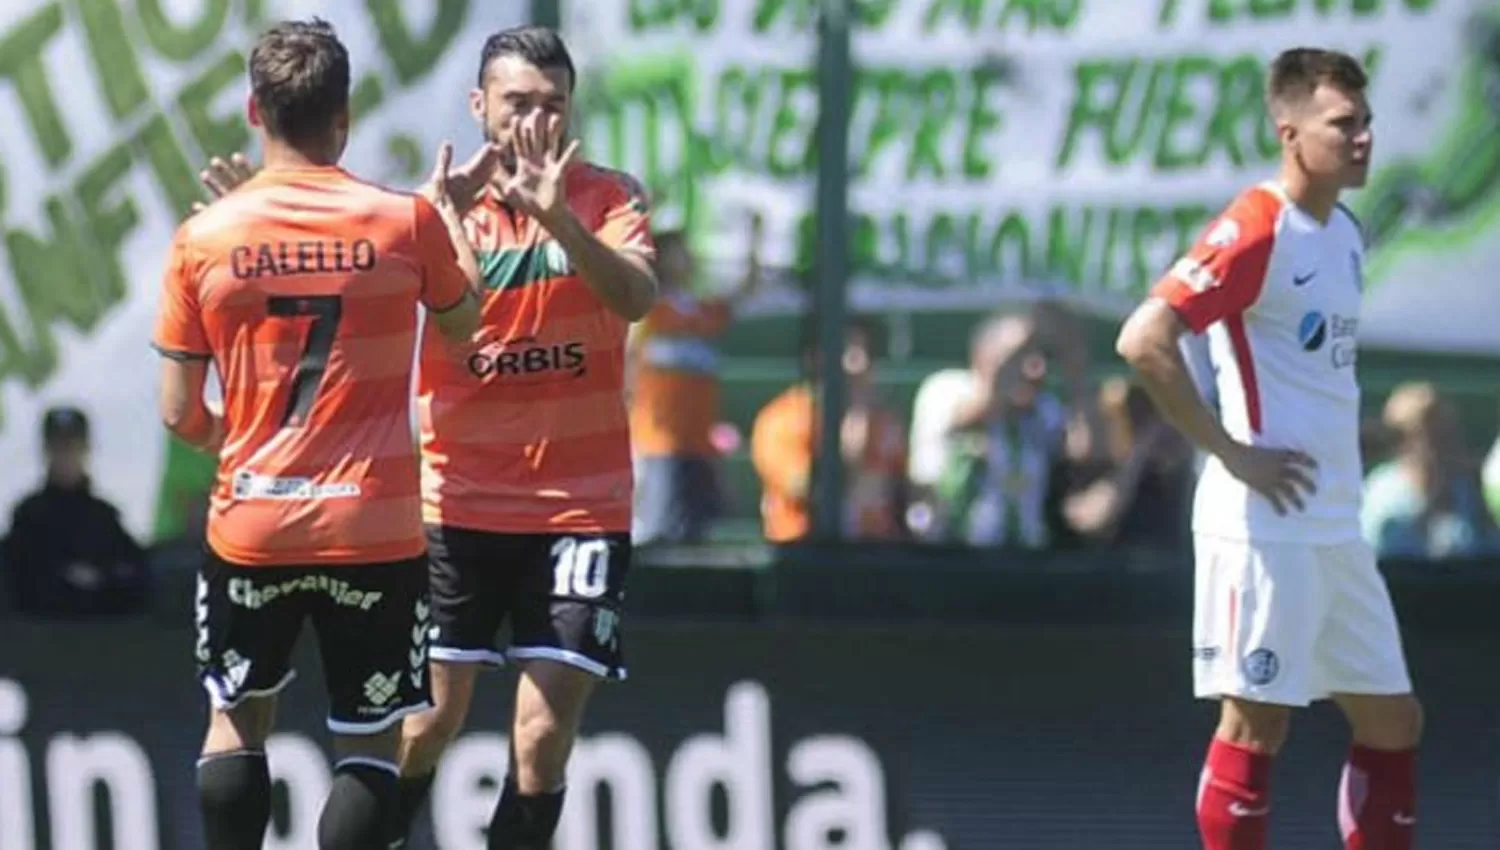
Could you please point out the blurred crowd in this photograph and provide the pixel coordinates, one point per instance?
(1016, 449)
(1027, 446)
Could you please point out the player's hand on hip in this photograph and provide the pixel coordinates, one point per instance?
(1284, 476)
(223, 176)
(537, 186)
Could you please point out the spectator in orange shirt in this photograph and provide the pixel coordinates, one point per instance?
(784, 441)
(675, 396)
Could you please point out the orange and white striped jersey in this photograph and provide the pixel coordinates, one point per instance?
(529, 434)
(302, 286)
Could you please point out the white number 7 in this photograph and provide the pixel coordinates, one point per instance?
(580, 568)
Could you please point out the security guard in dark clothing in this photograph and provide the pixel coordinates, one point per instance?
(67, 553)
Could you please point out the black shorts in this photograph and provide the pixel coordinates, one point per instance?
(560, 594)
(371, 621)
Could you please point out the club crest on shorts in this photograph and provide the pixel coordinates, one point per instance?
(1260, 666)
(605, 623)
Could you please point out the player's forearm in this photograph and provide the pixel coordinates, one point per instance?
(453, 223)
(1164, 375)
(625, 287)
(198, 427)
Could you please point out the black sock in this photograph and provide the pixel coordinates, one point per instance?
(525, 822)
(234, 797)
(412, 797)
(359, 808)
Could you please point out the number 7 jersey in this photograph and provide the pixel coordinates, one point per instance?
(302, 287)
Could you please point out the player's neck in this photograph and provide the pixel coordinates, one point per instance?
(279, 155)
(1316, 200)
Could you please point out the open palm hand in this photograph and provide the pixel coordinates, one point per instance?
(456, 190)
(537, 186)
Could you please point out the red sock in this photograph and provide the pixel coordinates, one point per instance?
(1234, 798)
(1377, 799)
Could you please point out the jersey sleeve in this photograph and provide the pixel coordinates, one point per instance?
(179, 332)
(1222, 275)
(444, 283)
(626, 222)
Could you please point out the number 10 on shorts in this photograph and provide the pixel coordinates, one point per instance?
(580, 567)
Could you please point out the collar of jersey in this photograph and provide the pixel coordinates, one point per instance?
(290, 172)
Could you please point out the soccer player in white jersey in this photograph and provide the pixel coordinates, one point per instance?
(1290, 606)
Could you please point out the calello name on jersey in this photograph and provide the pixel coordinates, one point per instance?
(252, 485)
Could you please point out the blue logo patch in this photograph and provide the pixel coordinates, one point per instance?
(1260, 667)
(1313, 331)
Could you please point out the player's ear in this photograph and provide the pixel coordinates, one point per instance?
(476, 105)
(252, 112)
(1286, 131)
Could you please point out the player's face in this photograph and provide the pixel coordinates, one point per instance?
(856, 354)
(67, 461)
(1332, 137)
(514, 90)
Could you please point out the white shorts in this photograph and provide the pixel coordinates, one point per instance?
(1291, 623)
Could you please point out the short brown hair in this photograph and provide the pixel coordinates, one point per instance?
(299, 77)
(1298, 72)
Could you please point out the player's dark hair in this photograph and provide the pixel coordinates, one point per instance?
(539, 46)
(1298, 72)
(299, 77)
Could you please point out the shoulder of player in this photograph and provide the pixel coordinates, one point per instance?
(28, 506)
(1252, 217)
(784, 405)
(401, 202)
(613, 180)
(218, 217)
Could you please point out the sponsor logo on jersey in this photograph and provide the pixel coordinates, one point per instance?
(245, 593)
(525, 357)
(252, 485)
(1313, 331)
(1316, 331)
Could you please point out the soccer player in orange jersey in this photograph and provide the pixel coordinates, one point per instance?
(301, 290)
(527, 482)
(526, 475)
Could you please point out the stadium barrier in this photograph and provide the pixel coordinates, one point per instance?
(824, 723)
